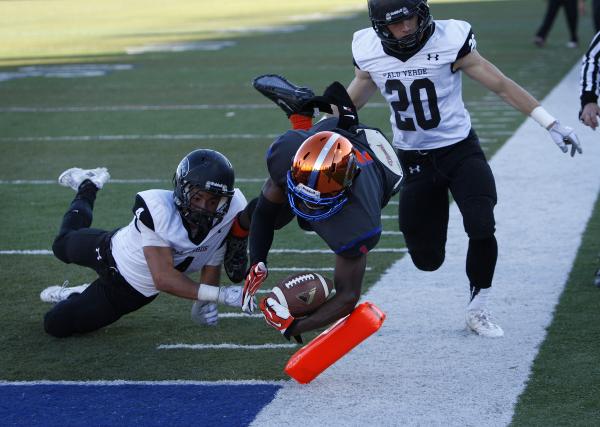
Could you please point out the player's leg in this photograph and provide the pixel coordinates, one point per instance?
(423, 211)
(235, 262)
(76, 242)
(474, 189)
(571, 16)
(103, 302)
(288, 96)
(550, 15)
(596, 14)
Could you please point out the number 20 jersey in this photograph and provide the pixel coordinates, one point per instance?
(424, 94)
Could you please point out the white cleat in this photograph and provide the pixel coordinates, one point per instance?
(479, 321)
(56, 294)
(75, 176)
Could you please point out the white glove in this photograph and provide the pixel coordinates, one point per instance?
(230, 295)
(563, 136)
(205, 313)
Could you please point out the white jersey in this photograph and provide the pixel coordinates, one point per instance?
(157, 222)
(424, 94)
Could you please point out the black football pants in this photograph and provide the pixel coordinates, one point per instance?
(109, 296)
(423, 213)
(551, 12)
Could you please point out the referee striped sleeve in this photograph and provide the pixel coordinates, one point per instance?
(590, 72)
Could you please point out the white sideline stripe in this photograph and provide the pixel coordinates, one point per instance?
(272, 251)
(305, 268)
(112, 181)
(132, 137)
(118, 108)
(224, 346)
(159, 383)
(423, 368)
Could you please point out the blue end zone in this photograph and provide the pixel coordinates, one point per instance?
(133, 404)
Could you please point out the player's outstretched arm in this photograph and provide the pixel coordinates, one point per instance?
(262, 231)
(486, 73)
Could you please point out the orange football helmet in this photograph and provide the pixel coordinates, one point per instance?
(321, 174)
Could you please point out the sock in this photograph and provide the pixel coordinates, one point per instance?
(237, 230)
(300, 122)
(479, 298)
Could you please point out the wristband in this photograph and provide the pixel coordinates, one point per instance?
(208, 293)
(543, 117)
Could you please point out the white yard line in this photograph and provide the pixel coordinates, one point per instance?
(422, 368)
(120, 108)
(225, 346)
(272, 251)
(112, 181)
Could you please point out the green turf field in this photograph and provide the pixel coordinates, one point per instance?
(141, 120)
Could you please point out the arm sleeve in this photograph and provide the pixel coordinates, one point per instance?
(262, 229)
(360, 247)
(590, 72)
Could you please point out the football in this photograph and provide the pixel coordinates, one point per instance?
(302, 293)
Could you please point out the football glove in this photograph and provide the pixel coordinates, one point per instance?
(230, 295)
(278, 316)
(563, 136)
(205, 313)
(256, 276)
(336, 94)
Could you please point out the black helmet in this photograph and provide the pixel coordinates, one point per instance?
(386, 12)
(208, 171)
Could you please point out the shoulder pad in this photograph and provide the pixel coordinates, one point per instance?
(142, 213)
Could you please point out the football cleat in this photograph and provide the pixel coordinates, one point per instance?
(56, 294)
(288, 96)
(236, 258)
(479, 321)
(75, 176)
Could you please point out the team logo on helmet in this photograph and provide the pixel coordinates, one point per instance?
(183, 168)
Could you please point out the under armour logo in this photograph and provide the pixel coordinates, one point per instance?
(98, 256)
(435, 56)
(415, 169)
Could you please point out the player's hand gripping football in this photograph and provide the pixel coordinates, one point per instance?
(563, 136)
(256, 276)
(278, 316)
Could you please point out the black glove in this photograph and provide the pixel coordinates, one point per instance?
(335, 94)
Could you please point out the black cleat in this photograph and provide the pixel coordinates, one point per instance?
(288, 96)
(236, 258)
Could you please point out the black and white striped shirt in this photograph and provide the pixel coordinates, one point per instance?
(590, 72)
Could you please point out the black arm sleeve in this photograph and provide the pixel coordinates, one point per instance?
(262, 228)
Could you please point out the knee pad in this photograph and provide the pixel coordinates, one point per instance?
(59, 248)
(478, 217)
(56, 324)
(428, 260)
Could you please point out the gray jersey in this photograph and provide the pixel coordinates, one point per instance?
(356, 228)
(424, 94)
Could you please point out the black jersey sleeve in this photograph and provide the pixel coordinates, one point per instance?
(360, 246)
(142, 213)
